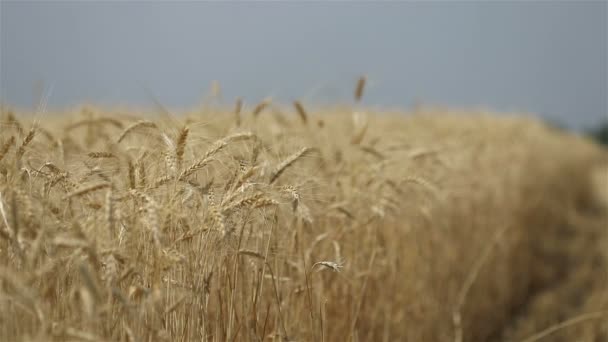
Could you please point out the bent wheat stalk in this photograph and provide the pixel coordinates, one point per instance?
(133, 127)
(87, 190)
(288, 162)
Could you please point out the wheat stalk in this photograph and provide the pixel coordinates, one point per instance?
(101, 155)
(181, 145)
(567, 323)
(192, 169)
(332, 265)
(28, 138)
(360, 88)
(10, 118)
(151, 209)
(255, 201)
(238, 107)
(288, 162)
(141, 170)
(135, 126)
(131, 173)
(110, 207)
(260, 107)
(6, 146)
(301, 111)
(86, 190)
(87, 122)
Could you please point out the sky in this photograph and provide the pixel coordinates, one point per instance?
(548, 58)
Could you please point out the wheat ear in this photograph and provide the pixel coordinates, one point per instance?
(7, 145)
(301, 111)
(133, 127)
(87, 190)
(181, 145)
(288, 162)
(360, 88)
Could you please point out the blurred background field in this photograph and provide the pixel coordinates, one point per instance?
(285, 223)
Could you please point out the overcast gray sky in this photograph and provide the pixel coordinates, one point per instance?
(544, 57)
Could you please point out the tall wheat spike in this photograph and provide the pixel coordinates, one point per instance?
(360, 88)
(301, 111)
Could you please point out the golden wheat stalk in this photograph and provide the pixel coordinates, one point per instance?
(257, 200)
(238, 107)
(101, 155)
(217, 218)
(87, 190)
(288, 162)
(192, 169)
(141, 170)
(12, 121)
(361, 124)
(135, 126)
(251, 253)
(222, 143)
(260, 107)
(28, 139)
(131, 173)
(101, 121)
(6, 147)
(180, 146)
(110, 207)
(151, 209)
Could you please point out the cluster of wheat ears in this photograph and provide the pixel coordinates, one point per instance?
(268, 223)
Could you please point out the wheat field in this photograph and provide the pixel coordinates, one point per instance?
(288, 223)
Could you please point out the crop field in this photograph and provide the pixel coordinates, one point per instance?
(287, 223)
